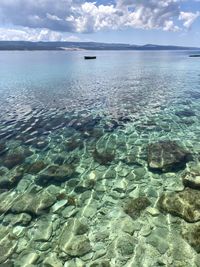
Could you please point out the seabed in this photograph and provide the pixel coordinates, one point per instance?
(93, 190)
(98, 177)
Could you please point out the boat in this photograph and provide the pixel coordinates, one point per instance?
(197, 55)
(90, 57)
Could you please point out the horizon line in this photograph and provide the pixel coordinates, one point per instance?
(95, 42)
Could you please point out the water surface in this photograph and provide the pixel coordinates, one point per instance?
(74, 136)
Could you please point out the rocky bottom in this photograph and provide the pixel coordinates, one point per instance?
(128, 196)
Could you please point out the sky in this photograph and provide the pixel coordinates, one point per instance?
(173, 22)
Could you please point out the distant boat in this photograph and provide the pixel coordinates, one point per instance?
(194, 55)
(90, 57)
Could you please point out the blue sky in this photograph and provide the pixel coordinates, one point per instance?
(123, 21)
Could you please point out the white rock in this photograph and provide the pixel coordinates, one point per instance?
(79, 169)
(27, 259)
(146, 230)
(119, 185)
(69, 211)
(75, 263)
(100, 253)
(89, 211)
(58, 205)
(52, 261)
(134, 193)
(42, 230)
(128, 225)
(92, 175)
(124, 172)
(152, 211)
(22, 245)
(18, 230)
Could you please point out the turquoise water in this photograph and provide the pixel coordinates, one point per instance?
(77, 186)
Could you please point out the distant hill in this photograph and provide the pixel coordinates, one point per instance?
(23, 45)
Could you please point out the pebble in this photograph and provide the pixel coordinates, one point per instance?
(158, 239)
(27, 259)
(152, 211)
(18, 231)
(52, 261)
(69, 212)
(146, 230)
(99, 253)
(58, 205)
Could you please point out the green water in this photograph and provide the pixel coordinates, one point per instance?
(99, 160)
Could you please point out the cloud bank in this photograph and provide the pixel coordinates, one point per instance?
(34, 35)
(78, 16)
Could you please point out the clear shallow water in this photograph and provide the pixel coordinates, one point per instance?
(74, 136)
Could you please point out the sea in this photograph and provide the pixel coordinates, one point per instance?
(99, 159)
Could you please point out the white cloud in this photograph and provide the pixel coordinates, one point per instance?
(53, 17)
(188, 18)
(151, 14)
(38, 35)
(17, 34)
(169, 26)
(71, 38)
(49, 18)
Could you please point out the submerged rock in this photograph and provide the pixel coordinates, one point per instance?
(33, 203)
(8, 244)
(36, 167)
(134, 207)
(7, 264)
(123, 246)
(76, 227)
(6, 201)
(76, 246)
(12, 160)
(55, 174)
(194, 94)
(158, 239)
(166, 156)
(104, 156)
(52, 261)
(17, 219)
(191, 233)
(42, 230)
(73, 143)
(40, 144)
(112, 125)
(100, 263)
(185, 113)
(2, 148)
(30, 202)
(27, 258)
(191, 177)
(85, 124)
(105, 149)
(72, 240)
(185, 204)
(11, 179)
